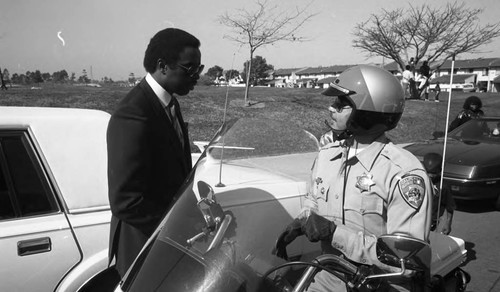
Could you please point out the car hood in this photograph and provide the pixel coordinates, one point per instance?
(463, 158)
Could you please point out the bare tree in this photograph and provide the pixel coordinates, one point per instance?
(425, 32)
(264, 26)
(2, 81)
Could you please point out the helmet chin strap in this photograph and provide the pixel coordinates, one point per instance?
(343, 135)
(339, 135)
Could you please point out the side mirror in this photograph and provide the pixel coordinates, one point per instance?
(216, 221)
(211, 210)
(206, 191)
(404, 251)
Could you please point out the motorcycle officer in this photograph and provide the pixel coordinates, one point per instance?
(362, 185)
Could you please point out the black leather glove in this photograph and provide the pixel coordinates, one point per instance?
(292, 231)
(318, 228)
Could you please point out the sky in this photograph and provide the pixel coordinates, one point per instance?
(109, 37)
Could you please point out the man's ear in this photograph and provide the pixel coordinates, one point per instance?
(162, 66)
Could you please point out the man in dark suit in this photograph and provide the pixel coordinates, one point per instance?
(149, 153)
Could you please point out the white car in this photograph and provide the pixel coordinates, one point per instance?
(445, 87)
(469, 87)
(54, 210)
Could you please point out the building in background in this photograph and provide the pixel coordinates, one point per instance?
(481, 74)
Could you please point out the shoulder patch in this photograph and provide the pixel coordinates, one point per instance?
(412, 188)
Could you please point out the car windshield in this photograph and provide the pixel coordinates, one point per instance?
(478, 130)
(219, 234)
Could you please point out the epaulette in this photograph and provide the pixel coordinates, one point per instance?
(400, 156)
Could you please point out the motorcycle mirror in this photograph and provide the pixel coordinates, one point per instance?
(205, 191)
(211, 211)
(395, 250)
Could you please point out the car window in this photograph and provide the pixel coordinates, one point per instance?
(24, 190)
(479, 130)
(6, 207)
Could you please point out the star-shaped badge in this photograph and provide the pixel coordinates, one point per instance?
(365, 182)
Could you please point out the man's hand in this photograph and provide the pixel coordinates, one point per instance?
(446, 227)
(292, 231)
(318, 228)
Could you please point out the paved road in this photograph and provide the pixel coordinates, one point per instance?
(479, 225)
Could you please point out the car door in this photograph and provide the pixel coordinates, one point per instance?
(37, 247)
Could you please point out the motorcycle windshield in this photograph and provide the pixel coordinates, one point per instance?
(219, 235)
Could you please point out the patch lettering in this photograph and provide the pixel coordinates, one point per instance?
(412, 188)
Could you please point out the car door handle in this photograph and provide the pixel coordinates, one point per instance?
(34, 246)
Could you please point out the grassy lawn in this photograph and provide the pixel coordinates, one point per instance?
(203, 108)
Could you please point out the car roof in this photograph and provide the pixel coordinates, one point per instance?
(73, 143)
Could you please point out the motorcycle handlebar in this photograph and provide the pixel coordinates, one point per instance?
(341, 267)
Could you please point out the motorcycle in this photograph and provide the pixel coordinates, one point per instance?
(245, 187)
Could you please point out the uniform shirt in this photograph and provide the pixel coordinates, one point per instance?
(381, 190)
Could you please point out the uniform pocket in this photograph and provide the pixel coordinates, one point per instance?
(373, 214)
(367, 212)
(320, 190)
(372, 204)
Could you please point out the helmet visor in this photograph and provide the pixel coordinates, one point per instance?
(337, 90)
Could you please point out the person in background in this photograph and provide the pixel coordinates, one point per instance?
(412, 65)
(425, 75)
(362, 185)
(471, 110)
(405, 81)
(443, 204)
(437, 91)
(149, 154)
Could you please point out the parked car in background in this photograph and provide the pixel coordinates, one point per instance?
(54, 211)
(445, 87)
(468, 87)
(472, 159)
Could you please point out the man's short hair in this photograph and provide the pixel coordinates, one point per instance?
(167, 45)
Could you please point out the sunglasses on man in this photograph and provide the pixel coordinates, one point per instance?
(192, 70)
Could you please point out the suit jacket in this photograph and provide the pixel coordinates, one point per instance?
(146, 167)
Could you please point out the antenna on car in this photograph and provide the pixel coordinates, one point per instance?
(220, 184)
(446, 134)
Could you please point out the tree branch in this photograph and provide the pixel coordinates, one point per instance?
(424, 32)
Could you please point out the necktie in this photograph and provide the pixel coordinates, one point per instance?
(171, 112)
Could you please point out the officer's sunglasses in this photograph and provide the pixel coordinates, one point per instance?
(339, 105)
(193, 70)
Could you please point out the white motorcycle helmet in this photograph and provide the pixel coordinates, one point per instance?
(376, 94)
